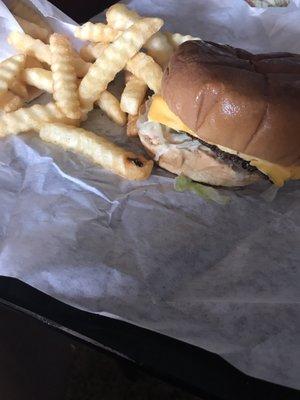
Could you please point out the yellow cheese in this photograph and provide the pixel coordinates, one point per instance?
(160, 112)
(277, 173)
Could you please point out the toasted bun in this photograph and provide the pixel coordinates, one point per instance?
(236, 100)
(198, 165)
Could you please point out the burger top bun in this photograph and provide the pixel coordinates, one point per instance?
(244, 103)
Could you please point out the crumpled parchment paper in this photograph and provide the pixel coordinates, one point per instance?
(225, 278)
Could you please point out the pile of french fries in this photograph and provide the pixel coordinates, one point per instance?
(78, 82)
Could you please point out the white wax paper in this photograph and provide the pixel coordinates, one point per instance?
(225, 278)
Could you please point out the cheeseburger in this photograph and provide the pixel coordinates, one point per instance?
(226, 116)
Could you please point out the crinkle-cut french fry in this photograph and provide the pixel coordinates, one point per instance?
(36, 48)
(10, 102)
(145, 68)
(31, 14)
(99, 150)
(176, 39)
(91, 51)
(81, 66)
(114, 59)
(32, 62)
(29, 46)
(158, 47)
(65, 88)
(26, 119)
(39, 78)
(9, 70)
(42, 79)
(133, 95)
(34, 30)
(18, 88)
(96, 32)
(111, 106)
(131, 128)
(119, 17)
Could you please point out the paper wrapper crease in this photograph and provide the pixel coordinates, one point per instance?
(225, 278)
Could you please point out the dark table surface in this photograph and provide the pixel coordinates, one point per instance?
(49, 348)
(81, 11)
(37, 362)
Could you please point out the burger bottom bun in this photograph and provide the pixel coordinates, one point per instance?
(199, 165)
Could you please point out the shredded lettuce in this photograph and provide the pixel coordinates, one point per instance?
(208, 193)
(165, 139)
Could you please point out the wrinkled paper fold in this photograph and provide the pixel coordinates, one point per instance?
(225, 278)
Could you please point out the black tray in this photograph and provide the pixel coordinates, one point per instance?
(200, 371)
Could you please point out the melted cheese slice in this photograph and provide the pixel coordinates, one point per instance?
(159, 112)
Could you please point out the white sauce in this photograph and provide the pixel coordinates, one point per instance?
(165, 138)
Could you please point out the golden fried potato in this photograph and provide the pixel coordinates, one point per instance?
(176, 39)
(111, 106)
(119, 17)
(99, 150)
(114, 59)
(133, 95)
(39, 78)
(91, 51)
(96, 32)
(9, 70)
(131, 128)
(145, 68)
(37, 49)
(26, 119)
(65, 88)
(18, 88)
(158, 47)
(10, 102)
